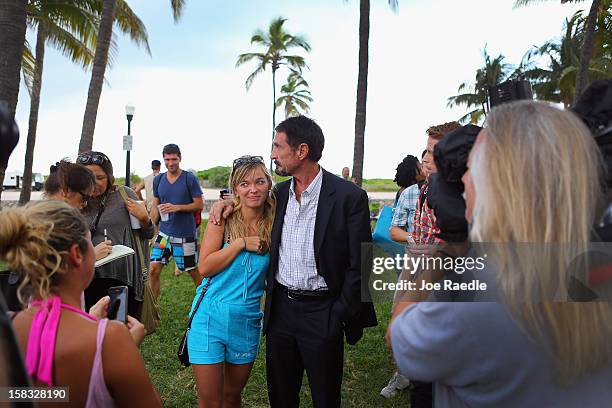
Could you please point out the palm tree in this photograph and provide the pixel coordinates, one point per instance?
(362, 86)
(295, 95)
(70, 27)
(474, 95)
(276, 43)
(113, 12)
(587, 44)
(556, 82)
(12, 36)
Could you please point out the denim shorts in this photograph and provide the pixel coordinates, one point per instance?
(222, 332)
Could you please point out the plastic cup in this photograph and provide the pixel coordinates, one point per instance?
(134, 221)
(164, 216)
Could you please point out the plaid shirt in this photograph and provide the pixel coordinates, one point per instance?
(425, 229)
(297, 267)
(403, 213)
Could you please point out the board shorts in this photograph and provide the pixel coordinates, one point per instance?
(183, 250)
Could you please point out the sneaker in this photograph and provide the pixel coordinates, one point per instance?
(397, 382)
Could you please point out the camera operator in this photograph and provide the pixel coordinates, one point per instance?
(594, 107)
(512, 352)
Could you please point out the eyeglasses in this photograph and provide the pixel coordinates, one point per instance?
(92, 158)
(241, 161)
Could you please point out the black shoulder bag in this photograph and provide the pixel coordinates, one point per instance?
(183, 353)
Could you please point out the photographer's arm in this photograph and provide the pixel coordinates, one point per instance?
(400, 235)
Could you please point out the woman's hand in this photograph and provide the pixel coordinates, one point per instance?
(100, 309)
(138, 210)
(137, 330)
(103, 249)
(254, 244)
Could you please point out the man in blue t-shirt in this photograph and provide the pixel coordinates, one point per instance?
(176, 197)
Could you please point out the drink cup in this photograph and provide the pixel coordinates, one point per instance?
(134, 221)
(164, 216)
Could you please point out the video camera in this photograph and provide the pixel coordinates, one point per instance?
(512, 90)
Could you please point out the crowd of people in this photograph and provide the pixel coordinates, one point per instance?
(533, 175)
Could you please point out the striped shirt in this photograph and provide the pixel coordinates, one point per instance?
(297, 268)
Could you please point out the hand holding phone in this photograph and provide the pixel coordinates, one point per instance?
(117, 308)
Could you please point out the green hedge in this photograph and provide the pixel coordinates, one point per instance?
(217, 176)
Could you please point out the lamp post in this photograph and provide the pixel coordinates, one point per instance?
(129, 113)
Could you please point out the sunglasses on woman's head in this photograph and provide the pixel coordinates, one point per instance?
(241, 161)
(92, 158)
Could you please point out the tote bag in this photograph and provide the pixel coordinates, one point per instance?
(382, 236)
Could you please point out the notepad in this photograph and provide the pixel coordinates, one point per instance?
(118, 251)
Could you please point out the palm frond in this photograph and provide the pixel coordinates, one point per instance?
(177, 8)
(260, 38)
(79, 17)
(129, 23)
(28, 64)
(251, 78)
(394, 5)
(244, 58)
(294, 61)
(298, 41)
(69, 45)
(468, 99)
(523, 3)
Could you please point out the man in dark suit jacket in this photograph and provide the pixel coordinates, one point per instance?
(315, 293)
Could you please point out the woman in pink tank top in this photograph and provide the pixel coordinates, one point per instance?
(49, 242)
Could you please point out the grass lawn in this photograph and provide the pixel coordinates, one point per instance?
(367, 368)
(378, 185)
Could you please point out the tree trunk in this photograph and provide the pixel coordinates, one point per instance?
(587, 49)
(12, 38)
(105, 33)
(273, 112)
(26, 180)
(362, 90)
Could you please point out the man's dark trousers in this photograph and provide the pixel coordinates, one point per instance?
(301, 336)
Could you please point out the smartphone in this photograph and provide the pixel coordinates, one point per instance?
(225, 193)
(117, 309)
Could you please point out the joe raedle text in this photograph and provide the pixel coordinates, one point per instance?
(446, 284)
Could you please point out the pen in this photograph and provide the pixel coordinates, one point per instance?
(105, 237)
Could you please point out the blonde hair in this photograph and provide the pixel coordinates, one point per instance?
(553, 207)
(236, 227)
(34, 241)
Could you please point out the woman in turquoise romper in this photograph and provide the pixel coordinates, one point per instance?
(225, 333)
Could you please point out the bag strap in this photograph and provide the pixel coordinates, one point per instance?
(195, 309)
(204, 290)
(94, 226)
(157, 181)
(136, 238)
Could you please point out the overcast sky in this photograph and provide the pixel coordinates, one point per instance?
(188, 92)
